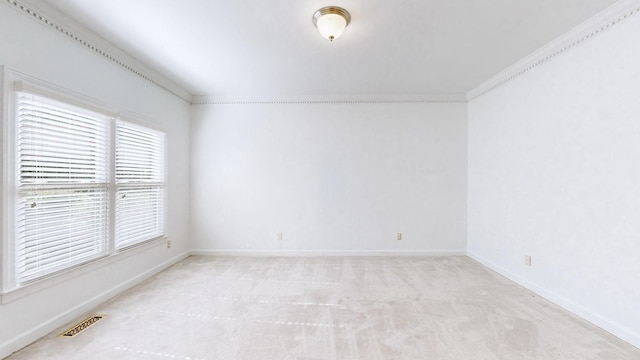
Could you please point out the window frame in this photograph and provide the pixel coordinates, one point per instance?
(12, 82)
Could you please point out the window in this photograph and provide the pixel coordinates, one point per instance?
(139, 184)
(87, 184)
(63, 181)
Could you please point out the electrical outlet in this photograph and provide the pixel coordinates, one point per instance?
(527, 260)
(399, 236)
(168, 244)
(279, 236)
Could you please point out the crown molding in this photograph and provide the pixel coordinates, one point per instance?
(58, 22)
(329, 99)
(605, 20)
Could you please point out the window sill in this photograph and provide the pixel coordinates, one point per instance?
(65, 275)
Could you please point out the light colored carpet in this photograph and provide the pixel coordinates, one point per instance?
(332, 308)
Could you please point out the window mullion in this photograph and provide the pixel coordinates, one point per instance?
(113, 190)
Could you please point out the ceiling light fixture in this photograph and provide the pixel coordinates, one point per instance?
(331, 21)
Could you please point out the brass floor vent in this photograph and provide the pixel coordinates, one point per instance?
(82, 325)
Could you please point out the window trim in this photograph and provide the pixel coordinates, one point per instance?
(12, 81)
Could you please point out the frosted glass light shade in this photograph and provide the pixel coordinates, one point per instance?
(331, 26)
(331, 21)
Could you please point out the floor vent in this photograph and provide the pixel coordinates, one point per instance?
(82, 325)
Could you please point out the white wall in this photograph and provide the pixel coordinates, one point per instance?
(554, 172)
(31, 48)
(331, 177)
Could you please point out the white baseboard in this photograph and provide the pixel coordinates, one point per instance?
(28, 337)
(622, 332)
(231, 252)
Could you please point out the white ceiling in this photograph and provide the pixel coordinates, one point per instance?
(271, 48)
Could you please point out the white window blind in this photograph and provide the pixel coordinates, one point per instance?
(62, 214)
(140, 184)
